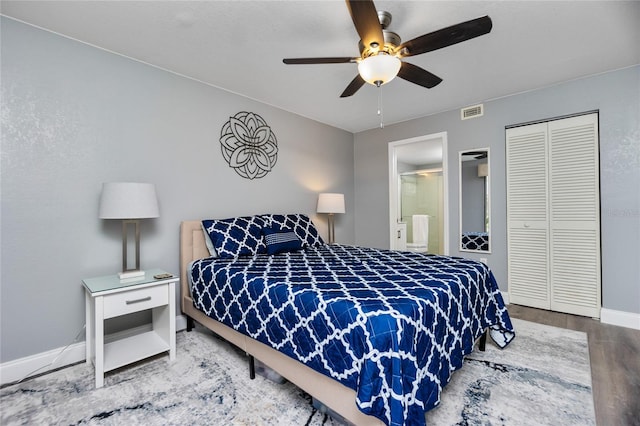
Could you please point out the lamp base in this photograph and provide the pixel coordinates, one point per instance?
(332, 229)
(127, 275)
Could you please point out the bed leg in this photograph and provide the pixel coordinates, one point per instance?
(252, 367)
(190, 323)
(483, 341)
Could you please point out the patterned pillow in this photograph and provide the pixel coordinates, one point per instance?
(279, 240)
(301, 225)
(236, 236)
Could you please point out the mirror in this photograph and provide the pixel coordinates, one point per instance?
(475, 206)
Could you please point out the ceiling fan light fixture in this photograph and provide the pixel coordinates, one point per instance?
(381, 50)
(379, 69)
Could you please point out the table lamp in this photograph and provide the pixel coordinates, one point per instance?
(331, 204)
(129, 202)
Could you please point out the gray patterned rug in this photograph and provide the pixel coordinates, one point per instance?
(541, 378)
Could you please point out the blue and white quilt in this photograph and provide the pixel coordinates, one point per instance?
(391, 325)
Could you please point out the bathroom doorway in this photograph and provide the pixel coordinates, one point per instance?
(418, 201)
(421, 209)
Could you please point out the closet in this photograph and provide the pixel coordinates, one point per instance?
(553, 215)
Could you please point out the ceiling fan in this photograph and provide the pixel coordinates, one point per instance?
(477, 155)
(381, 50)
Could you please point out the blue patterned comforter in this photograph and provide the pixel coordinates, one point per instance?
(391, 325)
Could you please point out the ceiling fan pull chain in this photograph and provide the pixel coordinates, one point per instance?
(380, 106)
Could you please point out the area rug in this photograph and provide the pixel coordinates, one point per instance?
(541, 378)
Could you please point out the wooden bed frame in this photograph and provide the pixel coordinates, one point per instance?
(329, 392)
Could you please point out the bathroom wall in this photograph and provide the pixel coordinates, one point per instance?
(422, 194)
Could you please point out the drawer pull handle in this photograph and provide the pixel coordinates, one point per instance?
(144, 299)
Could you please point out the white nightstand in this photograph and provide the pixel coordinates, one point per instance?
(108, 297)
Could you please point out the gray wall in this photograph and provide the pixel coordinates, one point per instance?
(615, 94)
(73, 117)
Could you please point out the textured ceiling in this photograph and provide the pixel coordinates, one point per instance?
(239, 46)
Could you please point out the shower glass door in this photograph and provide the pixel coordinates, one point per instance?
(421, 193)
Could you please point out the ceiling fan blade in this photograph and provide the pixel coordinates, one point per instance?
(353, 87)
(477, 155)
(419, 76)
(307, 61)
(365, 19)
(446, 36)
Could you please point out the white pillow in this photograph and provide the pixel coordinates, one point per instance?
(207, 241)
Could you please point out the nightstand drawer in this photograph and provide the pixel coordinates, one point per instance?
(135, 300)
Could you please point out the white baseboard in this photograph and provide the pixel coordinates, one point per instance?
(607, 316)
(181, 323)
(18, 369)
(620, 318)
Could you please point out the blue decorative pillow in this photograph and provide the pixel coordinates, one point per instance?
(237, 236)
(300, 224)
(281, 240)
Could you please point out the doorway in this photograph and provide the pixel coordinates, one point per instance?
(421, 212)
(418, 200)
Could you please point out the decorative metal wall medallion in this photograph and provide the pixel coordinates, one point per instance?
(249, 145)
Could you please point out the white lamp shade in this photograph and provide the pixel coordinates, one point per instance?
(330, 203)
(379, 68)
(128, 200)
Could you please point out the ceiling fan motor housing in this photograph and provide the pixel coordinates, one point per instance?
(385, 18)
(391, 40)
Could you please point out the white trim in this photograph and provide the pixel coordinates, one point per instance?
(505, 296)
(394, 183)
(17, 369)
(181, 322)
(620, 318)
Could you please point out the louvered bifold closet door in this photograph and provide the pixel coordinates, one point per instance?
(527, 229)
(574, 215)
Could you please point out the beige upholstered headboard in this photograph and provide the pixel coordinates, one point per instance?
(192, 247)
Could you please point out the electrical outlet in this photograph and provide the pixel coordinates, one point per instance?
(483, 260)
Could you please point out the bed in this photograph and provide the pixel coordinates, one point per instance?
(475, 241)
(373, 334)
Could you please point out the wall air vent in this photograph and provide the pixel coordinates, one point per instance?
(472, 112)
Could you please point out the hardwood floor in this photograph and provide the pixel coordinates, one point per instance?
(615, 363)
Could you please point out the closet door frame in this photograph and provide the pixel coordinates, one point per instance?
(571, 229)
